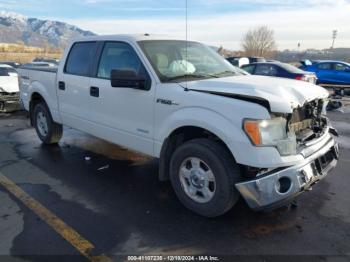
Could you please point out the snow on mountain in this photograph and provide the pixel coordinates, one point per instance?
(13, 16)
(16, 28)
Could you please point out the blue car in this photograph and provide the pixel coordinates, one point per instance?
(329, 72)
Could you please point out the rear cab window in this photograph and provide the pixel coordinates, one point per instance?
(80, 59)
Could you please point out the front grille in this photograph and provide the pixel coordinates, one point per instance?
(307, 122)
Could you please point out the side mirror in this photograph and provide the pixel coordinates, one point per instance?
(347, 70)
(126, 78)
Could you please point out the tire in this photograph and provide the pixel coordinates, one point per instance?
(52, 132)
(218, 199)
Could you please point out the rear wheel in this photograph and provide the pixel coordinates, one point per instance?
(48, 131)
(203, 174)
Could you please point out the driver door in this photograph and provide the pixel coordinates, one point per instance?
(125, 116)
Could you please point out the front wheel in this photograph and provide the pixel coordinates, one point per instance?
(48, 131)
(203, 174)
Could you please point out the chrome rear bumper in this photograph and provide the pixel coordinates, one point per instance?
(281, 185)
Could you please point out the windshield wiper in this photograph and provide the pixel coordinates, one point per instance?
(224, 73)
(190, 76)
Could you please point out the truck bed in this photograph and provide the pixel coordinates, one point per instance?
(50, 69)
(42, 79)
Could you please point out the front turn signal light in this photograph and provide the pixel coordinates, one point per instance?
(252, 130)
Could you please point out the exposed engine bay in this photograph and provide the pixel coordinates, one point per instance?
(308, 122)
(9, 102)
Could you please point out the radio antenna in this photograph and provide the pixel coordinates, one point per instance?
(186, 2)
(186, 20)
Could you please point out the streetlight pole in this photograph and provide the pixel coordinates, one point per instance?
(334, 36)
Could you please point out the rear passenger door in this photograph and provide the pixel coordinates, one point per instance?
(124, 116)
(74, 85)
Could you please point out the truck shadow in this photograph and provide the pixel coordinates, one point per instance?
(136, 213)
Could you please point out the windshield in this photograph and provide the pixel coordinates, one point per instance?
(185, 61)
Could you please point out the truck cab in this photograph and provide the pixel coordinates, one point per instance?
(218, 133)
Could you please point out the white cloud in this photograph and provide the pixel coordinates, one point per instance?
(311, 26)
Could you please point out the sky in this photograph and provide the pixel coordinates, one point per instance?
(215, 22)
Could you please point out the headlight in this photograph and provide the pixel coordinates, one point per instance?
(271, 132)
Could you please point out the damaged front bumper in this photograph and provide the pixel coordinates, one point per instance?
(279, 186)
(9, 102)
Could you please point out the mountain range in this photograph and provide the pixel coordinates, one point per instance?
(17, 28)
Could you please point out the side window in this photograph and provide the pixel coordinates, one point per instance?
(80, 59)
(249, 68)
(325, 66)
(118, 56)
(266, 70)
(341, 67)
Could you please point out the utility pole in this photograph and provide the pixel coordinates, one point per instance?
(334, 36)
(299, 55)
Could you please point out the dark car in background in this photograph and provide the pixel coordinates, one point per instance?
(328, 71)
(256, 59)
(10, 63)
(50, 61)
(239, 61)
(279, 69)
(38, 64)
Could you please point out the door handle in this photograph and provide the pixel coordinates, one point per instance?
(61, 85)
(94, 91)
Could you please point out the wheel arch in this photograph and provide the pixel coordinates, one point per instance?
(179, 136)
(35, 98)
(47, 93)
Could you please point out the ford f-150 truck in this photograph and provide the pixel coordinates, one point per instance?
(218, 133)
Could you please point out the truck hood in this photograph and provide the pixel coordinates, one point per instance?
(283, 95)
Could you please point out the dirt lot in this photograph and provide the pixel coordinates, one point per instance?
(25, 57)
(89, 197)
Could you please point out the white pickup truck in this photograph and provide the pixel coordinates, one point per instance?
(218, 133)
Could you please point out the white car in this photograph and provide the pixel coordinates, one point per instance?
(9, 89)
(8, 79)
(218, 133)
